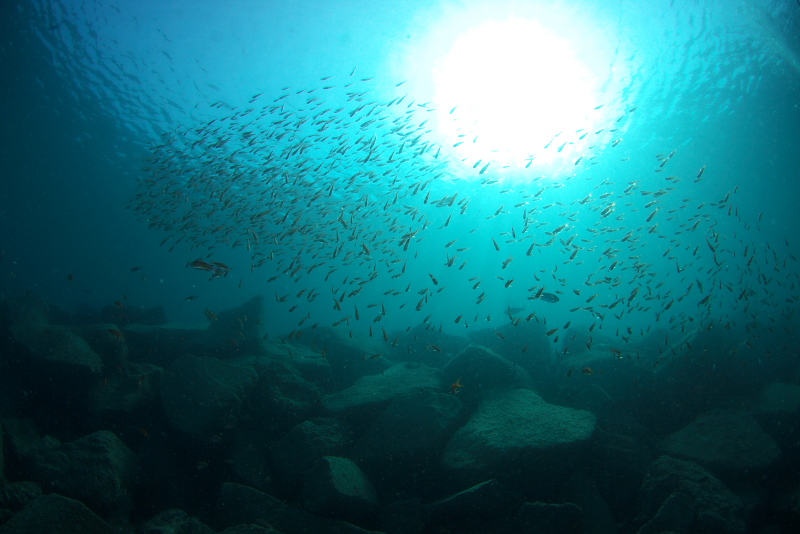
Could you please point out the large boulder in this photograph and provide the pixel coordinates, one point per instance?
(681, 496)
(240, 505)
(174, 521)
(203, 396)
(521, 341)
(516, 435)
(425, 344)
(371, 394)
(15, 495)
(401, 449)
(57, 358)
(56, 514)
(486, 500)
(728, 443)
(239, 329)
(2, 457)
(299, 452)
(777, 411)
(351, 356)
(340, 490)
(548, 518)
(161, 345)
(282, 397)
(618, 465)
(25, 309)
(97, 469)
(480, 370)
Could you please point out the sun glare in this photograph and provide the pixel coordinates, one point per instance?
(511, 91)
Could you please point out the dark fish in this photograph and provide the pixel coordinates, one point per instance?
(549, 297)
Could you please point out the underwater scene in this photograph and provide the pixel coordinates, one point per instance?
(418, 267)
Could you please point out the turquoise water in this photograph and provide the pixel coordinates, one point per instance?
(106, 102)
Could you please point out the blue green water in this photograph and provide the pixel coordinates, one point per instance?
(92, 90)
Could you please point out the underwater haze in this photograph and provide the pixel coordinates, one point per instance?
(602, 196)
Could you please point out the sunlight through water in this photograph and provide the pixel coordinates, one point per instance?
(509, 91)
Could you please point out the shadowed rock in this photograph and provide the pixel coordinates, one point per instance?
(371, 394)
(517, 435)
(339, 489)
(729, 443)
(712, 506)
(204, 395)
(97, 469)
(56, 514)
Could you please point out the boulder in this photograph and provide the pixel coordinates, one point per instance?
(2, 457)
(339, 489)
(239, 505)
(15, 495)
(403, 517)
(675, 515)
(480, 370)
(548, 518)
(21, 439)
(516, 435)
(97, 469)
(777, 411)
(57, 358)
(403, 446)
(297, 453)
(249, 529)
(522, 342)
(112, 349)
(726, 442)
(676, 490)
(282, 397)
(351, 356)
(120, 396)
(161, 345)
(618, 465)
(203, 396)
(56, 514)
(371, 394)
(25, 309)
(174, 521)
(426, 345)
(482, 501)
(240, 329)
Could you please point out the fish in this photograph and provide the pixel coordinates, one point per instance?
(549, 297)
(350, 191)
(456, 386)
(116, 334)
(216, 269)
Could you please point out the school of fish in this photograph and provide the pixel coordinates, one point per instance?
(354, 215)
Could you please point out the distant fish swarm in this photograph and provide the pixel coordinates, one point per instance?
(347, 197)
